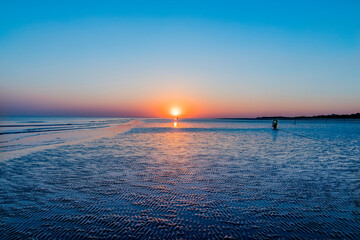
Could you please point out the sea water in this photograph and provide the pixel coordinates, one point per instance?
(188, 179)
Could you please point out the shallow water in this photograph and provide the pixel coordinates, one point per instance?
(200, 179)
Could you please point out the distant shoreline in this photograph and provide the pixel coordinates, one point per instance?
(332, 116)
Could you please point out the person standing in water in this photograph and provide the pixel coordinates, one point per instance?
(274, 124)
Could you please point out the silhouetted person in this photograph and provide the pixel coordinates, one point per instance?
(274, 124)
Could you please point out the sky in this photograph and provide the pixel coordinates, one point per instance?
(206, 58)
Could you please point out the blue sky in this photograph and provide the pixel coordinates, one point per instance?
(224, 58)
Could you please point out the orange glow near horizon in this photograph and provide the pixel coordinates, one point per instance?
(174, 108)
(175, 111)
(164, 104)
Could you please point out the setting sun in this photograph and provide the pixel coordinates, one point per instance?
(175, 112)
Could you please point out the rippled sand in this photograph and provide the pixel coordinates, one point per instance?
(200, 180)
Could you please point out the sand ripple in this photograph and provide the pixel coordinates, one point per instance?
(176, 184)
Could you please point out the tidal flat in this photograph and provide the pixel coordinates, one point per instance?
(75, 178)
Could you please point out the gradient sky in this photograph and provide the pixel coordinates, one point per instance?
(209, 58)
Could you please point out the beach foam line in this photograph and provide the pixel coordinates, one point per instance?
(87, 135)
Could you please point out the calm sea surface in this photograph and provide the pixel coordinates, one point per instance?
(80, 178)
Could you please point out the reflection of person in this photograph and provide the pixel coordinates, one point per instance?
(274, 135)
(274, 123)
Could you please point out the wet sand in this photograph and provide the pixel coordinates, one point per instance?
(201, 180)
(73, 137)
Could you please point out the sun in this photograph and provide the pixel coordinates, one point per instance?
(175, 111)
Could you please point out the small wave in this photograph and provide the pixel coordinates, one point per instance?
(38, 125)
(39, 130)
(33, 121)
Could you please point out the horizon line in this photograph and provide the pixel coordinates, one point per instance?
(258, 117)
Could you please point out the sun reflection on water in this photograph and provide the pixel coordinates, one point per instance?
(175, 124)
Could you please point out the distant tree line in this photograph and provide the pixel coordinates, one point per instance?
(332, 116)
